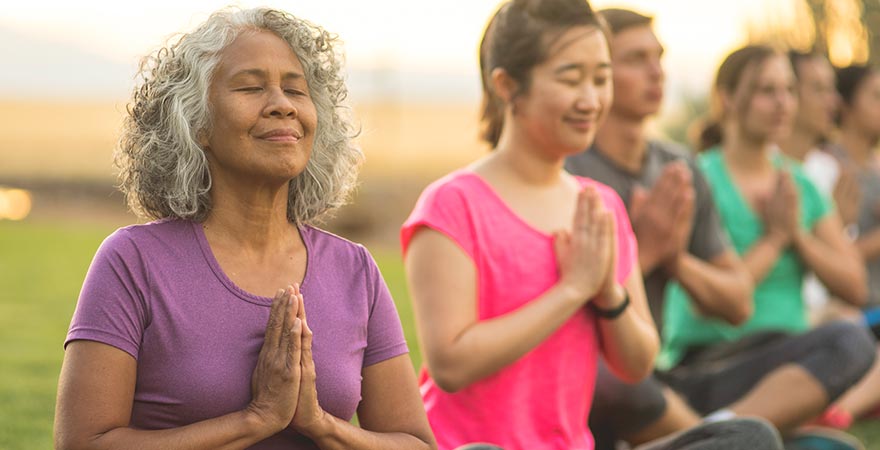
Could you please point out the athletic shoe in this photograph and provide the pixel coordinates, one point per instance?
(835, 417)
(820, 438)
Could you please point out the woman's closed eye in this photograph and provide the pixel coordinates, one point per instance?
(294, 91)
(570, 81)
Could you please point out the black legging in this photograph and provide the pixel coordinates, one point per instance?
(734, 434)
(837, 355)
(621, 410)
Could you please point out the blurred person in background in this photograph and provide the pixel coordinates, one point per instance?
(677, 228)
(818, 103)
(854, 147)
(772, 365)
(235, 143)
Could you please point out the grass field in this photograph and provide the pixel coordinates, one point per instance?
(41, 270)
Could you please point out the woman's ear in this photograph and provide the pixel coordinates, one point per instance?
(503, 84)
(726, 102)
(202, 138)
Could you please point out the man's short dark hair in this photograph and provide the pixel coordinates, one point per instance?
(620, 19)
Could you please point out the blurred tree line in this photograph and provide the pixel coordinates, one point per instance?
(847, 31)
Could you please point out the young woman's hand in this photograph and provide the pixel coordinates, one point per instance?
(585, 253)
(611, 294)
(781, 212)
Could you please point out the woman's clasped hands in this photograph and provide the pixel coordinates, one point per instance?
(283, 385)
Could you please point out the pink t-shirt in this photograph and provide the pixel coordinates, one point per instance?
(541, 401)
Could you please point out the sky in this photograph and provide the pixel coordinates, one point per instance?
(424, 50)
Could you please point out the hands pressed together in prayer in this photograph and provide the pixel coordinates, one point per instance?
(587, 255)
(283, 382)
(781, 210)
(662, 217)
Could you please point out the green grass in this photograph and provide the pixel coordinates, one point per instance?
(392, 270)
(869, 432)
(41, 271)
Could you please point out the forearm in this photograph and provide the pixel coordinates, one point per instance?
(762, 256)
(869, 245)
(630, 345)
(842, 272)
(337, 434)
(721, 292)
(649, 259)
(233, 431)
(487, 346)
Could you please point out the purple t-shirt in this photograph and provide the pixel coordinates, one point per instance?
(156, 292)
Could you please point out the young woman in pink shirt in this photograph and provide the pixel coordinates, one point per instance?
(521, 274)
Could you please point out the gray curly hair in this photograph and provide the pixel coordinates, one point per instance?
(163, 170)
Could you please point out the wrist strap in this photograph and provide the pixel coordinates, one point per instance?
(611, 313)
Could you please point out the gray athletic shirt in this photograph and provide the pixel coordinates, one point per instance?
(708, 237)
(869, 216)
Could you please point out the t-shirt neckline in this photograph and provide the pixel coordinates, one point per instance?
(500, 201)
(208, 253)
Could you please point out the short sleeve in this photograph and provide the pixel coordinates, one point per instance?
(385, 338)
(708, 238)
(111, 308)
(442, 207)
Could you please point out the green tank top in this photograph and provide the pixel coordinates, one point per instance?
(778, 300)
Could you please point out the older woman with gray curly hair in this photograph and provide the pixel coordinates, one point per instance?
(236, 142)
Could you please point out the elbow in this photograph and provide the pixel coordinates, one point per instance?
(64, 443)
(639, 366)
(635, 374)
(744, 301)
(449, 377)
(859, 295)
(642, 372)
(75, 441)
(64, 440)
(447, 384)
(855, 291)
(740, 303)
(743, 308)
(741, 314)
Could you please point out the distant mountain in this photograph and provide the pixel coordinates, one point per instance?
(41, 68)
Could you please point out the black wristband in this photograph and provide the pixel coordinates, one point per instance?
(611, 313)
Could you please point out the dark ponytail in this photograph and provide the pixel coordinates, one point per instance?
(710, 135)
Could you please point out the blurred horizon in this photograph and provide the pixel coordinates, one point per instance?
(411, 69)
(395, 49)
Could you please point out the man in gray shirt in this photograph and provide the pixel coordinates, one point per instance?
(678, 230)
